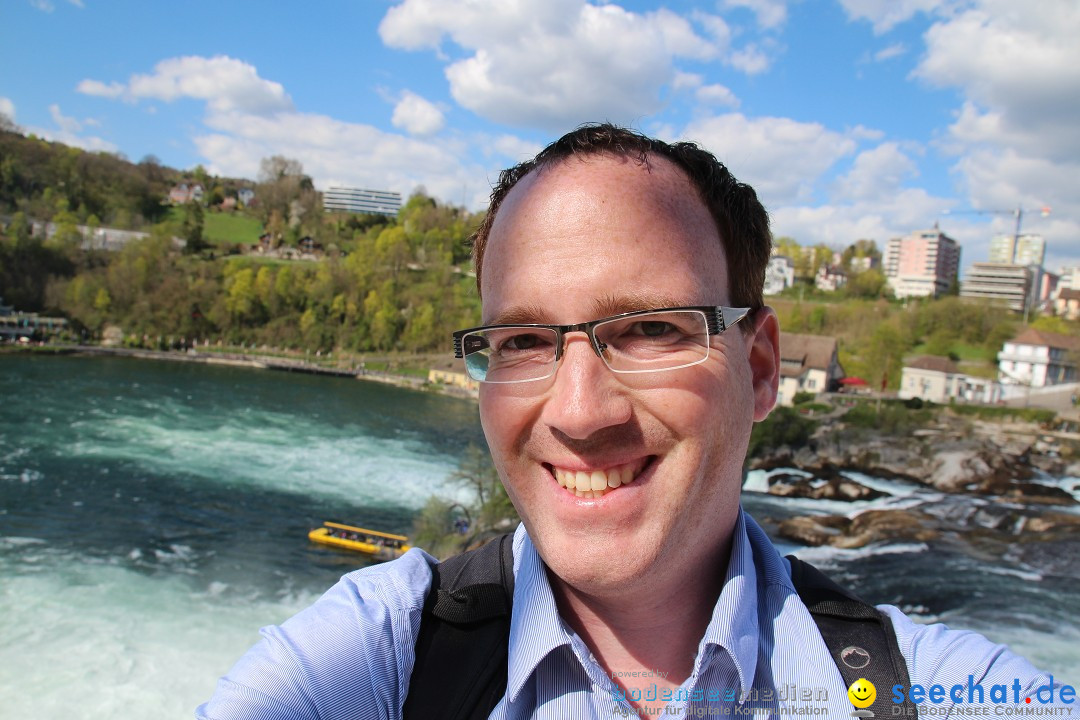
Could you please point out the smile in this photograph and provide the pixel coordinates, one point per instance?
(593, 484)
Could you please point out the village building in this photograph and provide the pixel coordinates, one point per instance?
(808, 363)
(939, 379)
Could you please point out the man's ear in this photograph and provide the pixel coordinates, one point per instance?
(765, 361)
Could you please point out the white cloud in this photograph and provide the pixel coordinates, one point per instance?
(7, 108)
(99, 89)
(894, 50)
(782, 158)
(516, 149)
(1014, 135)
(68, 132)
(877, 219)
(875, 173)
(685, 80)
(770, 14)
(225, 83)
(417, 116)
(717, 95)
(77, 3)
(249, 118)
(750, 59)
(884, 15)
(337, 152)
(66, 124)
(42, 5)
(556, 63)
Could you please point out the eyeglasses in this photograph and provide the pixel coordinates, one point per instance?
(634, 342)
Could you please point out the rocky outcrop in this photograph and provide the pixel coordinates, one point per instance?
(865, 528)
(952, 458)
(835, 487)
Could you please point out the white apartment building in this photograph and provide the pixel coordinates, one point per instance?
(779, 274)
(1027, 249)
(359, 200)
(921, 264)
(1036, 358)
(1001, 282)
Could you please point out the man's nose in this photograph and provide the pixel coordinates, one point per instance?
(585, 396)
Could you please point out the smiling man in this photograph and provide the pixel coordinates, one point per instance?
(624, 357)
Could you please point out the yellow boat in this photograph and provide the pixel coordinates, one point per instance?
(349, 537)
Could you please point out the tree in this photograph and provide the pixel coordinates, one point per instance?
(868, 284)
(191, 229)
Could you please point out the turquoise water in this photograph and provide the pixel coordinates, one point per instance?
(153, 516)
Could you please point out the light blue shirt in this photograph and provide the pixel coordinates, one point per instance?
(350, 655)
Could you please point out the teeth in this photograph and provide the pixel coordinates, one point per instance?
(597, 483)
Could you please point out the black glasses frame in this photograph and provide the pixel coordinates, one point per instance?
(718, 318)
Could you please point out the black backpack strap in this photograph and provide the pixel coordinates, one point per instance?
(465, 625)
(860, 637)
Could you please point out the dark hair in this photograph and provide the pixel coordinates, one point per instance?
(741, 220)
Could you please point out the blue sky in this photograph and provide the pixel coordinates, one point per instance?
(853, 118)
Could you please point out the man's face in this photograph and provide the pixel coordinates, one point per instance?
(587, 239)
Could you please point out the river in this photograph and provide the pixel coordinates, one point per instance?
(153, 515)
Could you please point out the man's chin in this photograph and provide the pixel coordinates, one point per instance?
(603, 566)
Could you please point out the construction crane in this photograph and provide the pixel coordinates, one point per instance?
(1018, 213)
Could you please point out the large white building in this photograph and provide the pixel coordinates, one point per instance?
(1002, 282)
(1022, 250)
(922, 264)
(358, 200)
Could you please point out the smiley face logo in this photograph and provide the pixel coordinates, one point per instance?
(862, 693)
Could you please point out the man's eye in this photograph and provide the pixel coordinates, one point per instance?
(654, 328)
(522, 342)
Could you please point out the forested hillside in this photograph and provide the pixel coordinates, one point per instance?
(378, 283)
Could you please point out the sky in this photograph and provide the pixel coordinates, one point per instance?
(852, 118)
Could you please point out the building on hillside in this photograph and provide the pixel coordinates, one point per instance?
(246, 196)
(1069, 279)
(358, 200)
(924, 263)
(862, 264)
(1002, 282)
(1022, 250)
(808, 363)
(1067, 304)
(1036, 358)
(939, 380)
(453, 378)
(779, 274)
(183, 193)
(1046, 287)
(830, 278)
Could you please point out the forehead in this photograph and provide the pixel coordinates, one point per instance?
(598, 228)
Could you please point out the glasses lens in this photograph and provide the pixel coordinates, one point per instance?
(505, 355)
(655, 341)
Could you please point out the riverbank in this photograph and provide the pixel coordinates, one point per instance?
(410, 375)
(993, 480)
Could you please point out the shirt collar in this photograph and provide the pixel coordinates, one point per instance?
(536, 628)
(734, 623)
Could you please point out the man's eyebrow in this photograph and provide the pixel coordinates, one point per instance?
(602, 307)
(617, 304)
(521, 315)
